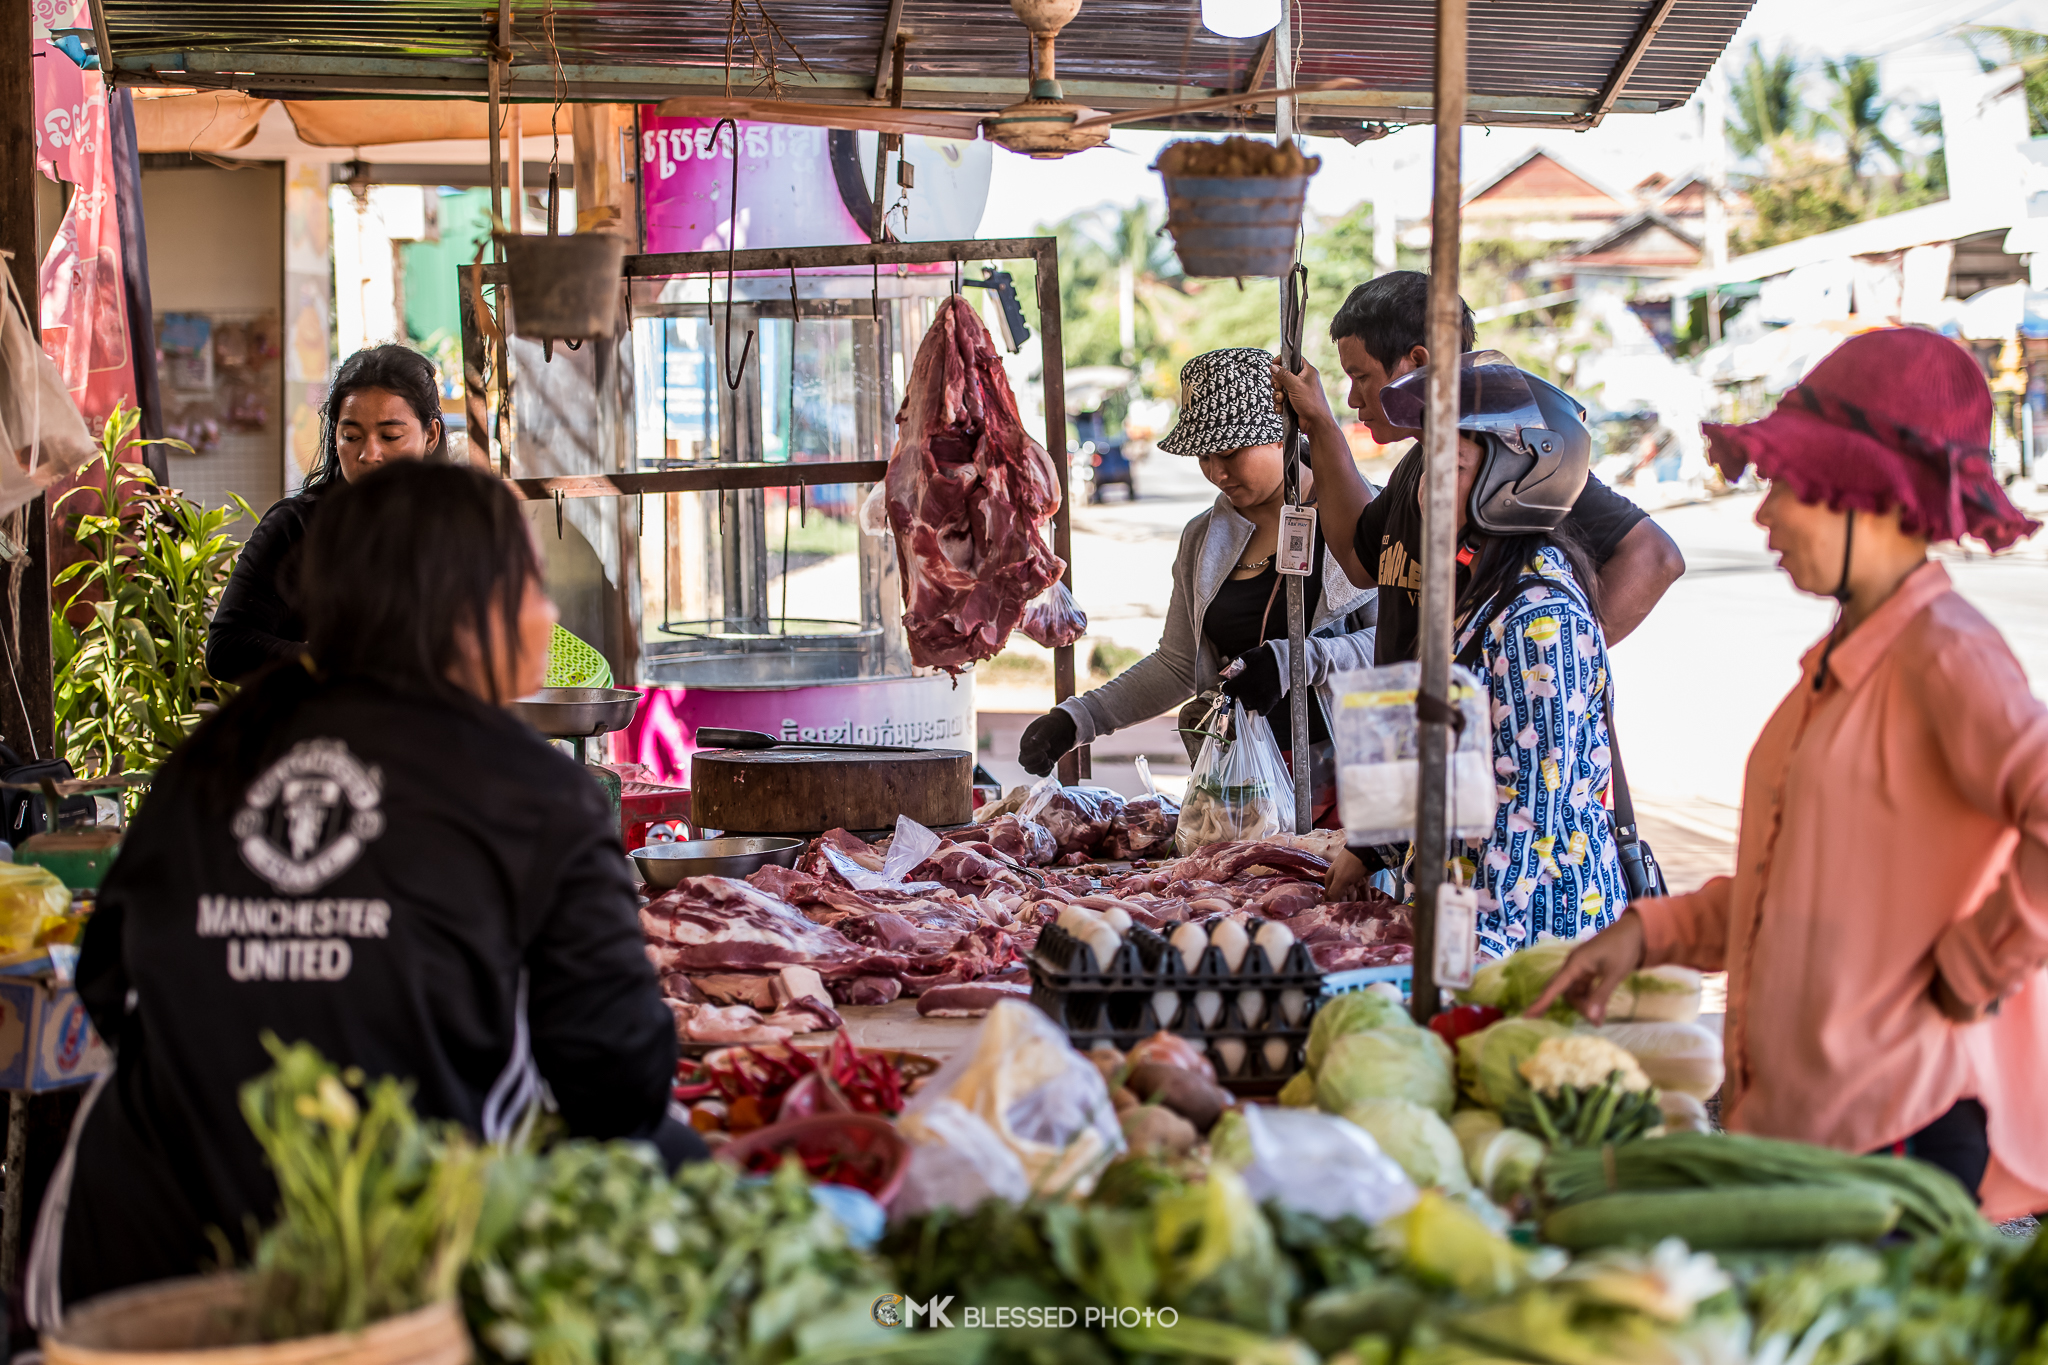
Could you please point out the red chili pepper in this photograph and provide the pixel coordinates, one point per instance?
(1454, 1024)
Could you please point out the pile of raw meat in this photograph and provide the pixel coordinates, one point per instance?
(760, 959)
(967, 491)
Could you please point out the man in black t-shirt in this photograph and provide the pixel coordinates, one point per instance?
(1378, 539)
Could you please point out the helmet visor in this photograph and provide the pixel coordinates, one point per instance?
(1493, 396)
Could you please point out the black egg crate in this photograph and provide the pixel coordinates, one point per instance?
(1122, 1003)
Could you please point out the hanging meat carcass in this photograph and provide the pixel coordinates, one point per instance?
(967, 492)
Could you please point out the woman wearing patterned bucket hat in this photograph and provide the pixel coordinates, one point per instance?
(1227, 601)
(1886, 927)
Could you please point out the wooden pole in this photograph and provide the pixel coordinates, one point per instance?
(1440, 494)
(1075, 765)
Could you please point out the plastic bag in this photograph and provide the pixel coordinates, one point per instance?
(908, 847)
(1080, 818)
(1376, 756)
(1054, 618)
(1039, 1109)
(874, 512)
(1146, 822)
(34, 908)
(1321, 1164)
(1239, 788)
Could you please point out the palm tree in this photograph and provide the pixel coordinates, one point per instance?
(1145, 267)
(1855, 112)
(2024, 48)
(1764, 101)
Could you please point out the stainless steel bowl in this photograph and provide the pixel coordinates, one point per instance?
(664, 865)
(577, 712)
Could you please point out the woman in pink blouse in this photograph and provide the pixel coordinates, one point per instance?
(1885, 931)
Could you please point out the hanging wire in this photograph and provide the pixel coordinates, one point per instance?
(732, 233)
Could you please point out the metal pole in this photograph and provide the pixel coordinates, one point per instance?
(1291, 302)
(1440, 494)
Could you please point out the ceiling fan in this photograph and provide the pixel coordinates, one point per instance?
(1044, 125)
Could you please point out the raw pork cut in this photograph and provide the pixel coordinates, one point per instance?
(971, 999)
(717, 924)
(1027, 841)
(967, 492)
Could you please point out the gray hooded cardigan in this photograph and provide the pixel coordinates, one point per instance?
(1186, 663)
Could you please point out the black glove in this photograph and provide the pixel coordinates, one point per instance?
(1045, 741)
(1257, 684)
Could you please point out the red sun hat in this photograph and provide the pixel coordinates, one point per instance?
(1898, 418)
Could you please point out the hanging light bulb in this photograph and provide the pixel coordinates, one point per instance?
(1240, 18)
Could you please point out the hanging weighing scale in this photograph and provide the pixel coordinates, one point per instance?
(580, 714)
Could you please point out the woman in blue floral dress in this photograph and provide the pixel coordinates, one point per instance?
(1550, 867)
(1528, 624)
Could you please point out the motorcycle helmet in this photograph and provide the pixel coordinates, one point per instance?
(1536, 452)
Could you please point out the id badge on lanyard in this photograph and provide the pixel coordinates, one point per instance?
(1297, 551)
(1457, 934)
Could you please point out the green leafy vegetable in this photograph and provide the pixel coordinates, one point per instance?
(1351, 1012)
(376, 1209)
(1402, 1064)
(1417, 1139)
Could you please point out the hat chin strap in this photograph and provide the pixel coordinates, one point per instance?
(1841, 594)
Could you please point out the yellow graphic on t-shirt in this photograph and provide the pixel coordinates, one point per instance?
(1396, 569)
(1592, 903)
(1543, 630)
(1575, 852)
(1553, 776)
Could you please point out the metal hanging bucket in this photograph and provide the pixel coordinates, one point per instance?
(1234, 225)
(564, 288)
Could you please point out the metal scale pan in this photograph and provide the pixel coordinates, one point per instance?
(577, 712)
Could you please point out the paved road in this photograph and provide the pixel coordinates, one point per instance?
(1695, 684)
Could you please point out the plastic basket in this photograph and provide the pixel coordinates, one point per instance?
(1264, 1008)
(572, 663)
(1235, 225)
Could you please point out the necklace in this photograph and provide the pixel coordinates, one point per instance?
(1256, 566)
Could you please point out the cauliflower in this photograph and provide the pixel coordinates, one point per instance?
(1580, 1061)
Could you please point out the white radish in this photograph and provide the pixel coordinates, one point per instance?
(1166, 1004)
(1208, 1005)
(1252, 1005)
(1275, 939)
(1230, 1051)
(1292, 1002)
(1190, 942)
(1276, 1053)
(1234, 941)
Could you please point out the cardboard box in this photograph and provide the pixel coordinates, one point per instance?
(46, 1040)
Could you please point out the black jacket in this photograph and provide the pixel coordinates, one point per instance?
(256, 624)
(393, 889)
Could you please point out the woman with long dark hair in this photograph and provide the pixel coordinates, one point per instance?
(365, 851)
(384, 405)
(1528, 623)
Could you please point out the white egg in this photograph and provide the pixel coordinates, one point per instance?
(1190, 942)
(1117, 918)
(1104, 941)
(1292, 1002)
(1276, 1053)
(1208, 1006)
(1230, 1051)
(1166, 1004)
(1252, 1005)
(1275, 939)
(1234, 941)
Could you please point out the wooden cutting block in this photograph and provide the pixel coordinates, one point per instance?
(808, 791)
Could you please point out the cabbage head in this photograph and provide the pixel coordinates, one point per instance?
(1512, 983)
(1489, 1064)
(1298, 1093)
(1351, 1012)
(1420, 1141)
(1507, 1164)
(1387, 1063)
(1230, 1142)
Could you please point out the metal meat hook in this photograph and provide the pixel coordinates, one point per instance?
(732, 233)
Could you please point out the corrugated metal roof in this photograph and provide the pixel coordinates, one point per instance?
(1531, 60)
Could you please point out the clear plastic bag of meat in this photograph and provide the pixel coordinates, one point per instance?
(1146, 823)
(1239, 788)
(1024, 839)
(1055, 619)
(1080, 819)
